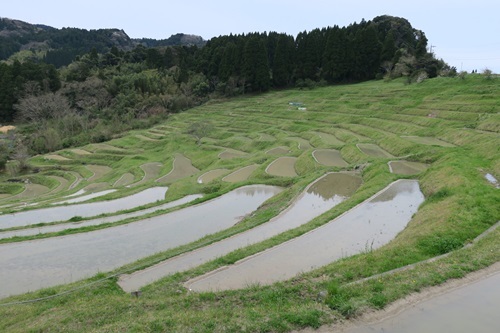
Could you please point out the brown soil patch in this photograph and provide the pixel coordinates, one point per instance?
(5, 129)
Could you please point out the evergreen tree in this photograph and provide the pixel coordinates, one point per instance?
(255, 65)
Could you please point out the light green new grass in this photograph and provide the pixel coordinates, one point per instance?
(460, 204)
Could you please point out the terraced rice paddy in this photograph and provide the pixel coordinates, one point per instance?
(324, 194)
(231, 153)
(365, 227)
(373, 150)
(283, 167)
(344, 128)
(407, 168)
(83, 255)
(212, 175)
(241, 174)
(181, 168)
(329, 157)
(429, 141)
(63, 213)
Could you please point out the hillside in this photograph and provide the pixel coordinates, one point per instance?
(450, 126)
(61, 46)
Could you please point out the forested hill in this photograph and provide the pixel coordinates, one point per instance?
(60, 47)
(105, 92)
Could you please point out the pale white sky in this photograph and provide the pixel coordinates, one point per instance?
(465, 33)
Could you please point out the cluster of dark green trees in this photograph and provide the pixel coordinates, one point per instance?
(113, 88)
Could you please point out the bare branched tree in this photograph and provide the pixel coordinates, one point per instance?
(199, 130)
(39, 108)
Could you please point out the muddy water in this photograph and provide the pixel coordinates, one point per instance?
(64, 213)
(182, 167)
(84, 197)
(278, 151)
(211, 175)
(373, 150)
(329, 157)
(471, 308)
(283, 167)
(102, 220)
(125, 179)
(241, 174)
(367, 226)
(43, 263)
(319, 197)
(407, 167)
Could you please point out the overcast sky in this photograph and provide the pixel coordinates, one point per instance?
(465, 33)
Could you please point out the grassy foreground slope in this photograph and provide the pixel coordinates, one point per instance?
(460, 204)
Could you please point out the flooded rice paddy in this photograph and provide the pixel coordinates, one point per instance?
(319, 197)
(126, 179)
(367, 226)
(406, 167)
(329, 157)
(64, 213)
(240, 174)
(492, 180)
(278, 151)
(48, 262)
(207, 177)
(182, 167)
(470, 308)
(97, 221)
(373, 150)
(283, 167)
(83, 197)
(231, 153)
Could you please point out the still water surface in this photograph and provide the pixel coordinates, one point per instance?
(468, 309)
(97, 221)
(319, 197)
(33, 265)
(367, 226)
(64, 213)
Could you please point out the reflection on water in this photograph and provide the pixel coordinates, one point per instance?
(102, 220)
(402, 188)
(471, 308)
(367, 226)
(84, 198)
(64, 213)
(47, 262)
(489, 177)
(342, 184)
(307, 206)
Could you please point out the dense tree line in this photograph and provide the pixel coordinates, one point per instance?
(111, 89)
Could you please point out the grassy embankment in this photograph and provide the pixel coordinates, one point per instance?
(460, 204)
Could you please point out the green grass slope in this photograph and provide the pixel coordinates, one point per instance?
(460, 205)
